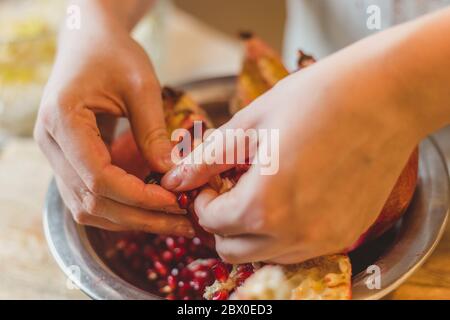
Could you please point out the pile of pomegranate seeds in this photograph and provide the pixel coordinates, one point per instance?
(228, 278)
(176, 268)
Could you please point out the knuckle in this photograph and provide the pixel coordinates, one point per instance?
(227, 255)
(81, 218)
(39, 134)
(155, 134)
(93, 205)
(44, 120)
(95, 184)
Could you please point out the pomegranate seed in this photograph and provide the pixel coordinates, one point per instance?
(189, 260)
(152, 275)
(172, 282)
(245, 267)
(183, 288)
(221, 295)
(174, 272)
(181, 241)
(160, 268)
(167, 256)
(220, 272)
(170, 243)
(179, 253)
(242, 276)
(183, 200)
(195, 284)
(186, 273)
(130, 250)
(121, 244)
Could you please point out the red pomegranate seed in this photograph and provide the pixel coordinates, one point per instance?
(186, 273)
(179, 253)
(183, 288)
(121, 244)
(167, 256)
(172, 282)
(170, 243)
(160, 268)
(242, 276)
(221, 272)
(189, 260)
(245, 267)
(183, 200)
(181, 241)
(130, 250)
(221, 295)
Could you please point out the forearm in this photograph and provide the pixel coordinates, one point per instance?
(421, 66)
(399, 77)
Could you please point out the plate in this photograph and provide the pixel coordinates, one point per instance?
(396, 255)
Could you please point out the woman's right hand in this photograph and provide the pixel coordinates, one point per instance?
(102, 74)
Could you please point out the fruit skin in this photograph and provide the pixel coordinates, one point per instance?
(397, 203)
(262, 69)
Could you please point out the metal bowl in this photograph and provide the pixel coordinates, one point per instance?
(78, 250)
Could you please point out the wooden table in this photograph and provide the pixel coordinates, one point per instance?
(27, 271)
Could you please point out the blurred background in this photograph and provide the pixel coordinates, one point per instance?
(265, 17)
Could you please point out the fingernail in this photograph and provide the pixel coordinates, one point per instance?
(168, 162)
(184, 230)
(172, 180)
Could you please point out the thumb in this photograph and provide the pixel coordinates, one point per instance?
(149, 129)
(221, 151)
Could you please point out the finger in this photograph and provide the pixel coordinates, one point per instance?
(138, 219)
(227, 146)
(149, 127)
(245, 249)
(99, 223)
(223, 214)
(78, 214)
(77, 135)
(294, 257)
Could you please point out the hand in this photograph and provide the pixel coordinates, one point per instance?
(343, 142)
(101, 74)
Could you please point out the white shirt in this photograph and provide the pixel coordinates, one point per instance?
(321, 27)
